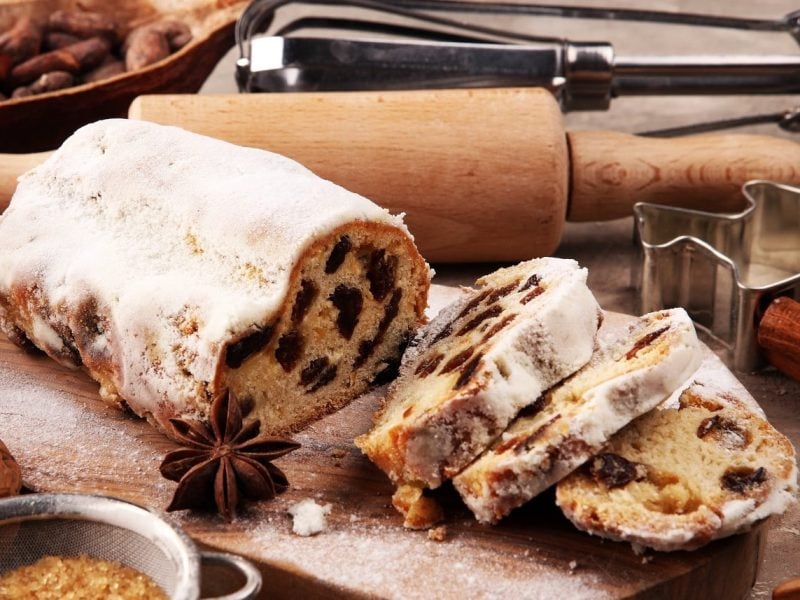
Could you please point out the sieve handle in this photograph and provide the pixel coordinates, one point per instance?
(252, 575)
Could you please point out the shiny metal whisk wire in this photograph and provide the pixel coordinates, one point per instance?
(259, 14)
(432, 45)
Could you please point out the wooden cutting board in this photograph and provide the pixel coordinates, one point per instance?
(67, 440)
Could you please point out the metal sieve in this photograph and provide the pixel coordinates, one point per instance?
(38, 525)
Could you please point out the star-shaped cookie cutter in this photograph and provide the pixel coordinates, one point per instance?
(724, 269)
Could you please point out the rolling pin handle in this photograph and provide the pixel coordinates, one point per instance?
(611, 171)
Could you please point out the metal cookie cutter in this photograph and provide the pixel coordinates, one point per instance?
(724, 269)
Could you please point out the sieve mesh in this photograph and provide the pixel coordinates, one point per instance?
(26, 541)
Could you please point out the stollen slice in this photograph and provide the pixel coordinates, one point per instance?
(477, 364)
(681, 476)
(627, 376)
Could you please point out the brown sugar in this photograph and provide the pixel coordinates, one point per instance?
(82, 577)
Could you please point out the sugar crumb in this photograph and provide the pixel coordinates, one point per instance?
(638, 549)
(573, 564)
(308, 517)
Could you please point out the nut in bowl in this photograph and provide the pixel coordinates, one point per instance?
(65, 63)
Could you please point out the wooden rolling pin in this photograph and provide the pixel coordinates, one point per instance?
(483, 175)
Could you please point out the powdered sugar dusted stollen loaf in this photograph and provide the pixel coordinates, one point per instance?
(480, 361)
(627, 376)
(173, 266)
(679, 477)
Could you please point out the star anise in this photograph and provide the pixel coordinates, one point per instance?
(224, 460)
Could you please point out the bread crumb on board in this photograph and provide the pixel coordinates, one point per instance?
(438, 534)
(308, 517)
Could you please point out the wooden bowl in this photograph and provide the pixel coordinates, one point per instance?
(42, 122)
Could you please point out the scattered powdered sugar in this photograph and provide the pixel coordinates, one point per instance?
(309, 517)
(392, 562)
(56, 437)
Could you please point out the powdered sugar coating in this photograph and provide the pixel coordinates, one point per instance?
(180, 241)
(717, 380)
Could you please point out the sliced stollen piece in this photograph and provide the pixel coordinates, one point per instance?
(477, 364)
(172, 266)
(627, 376)
(681, 476)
